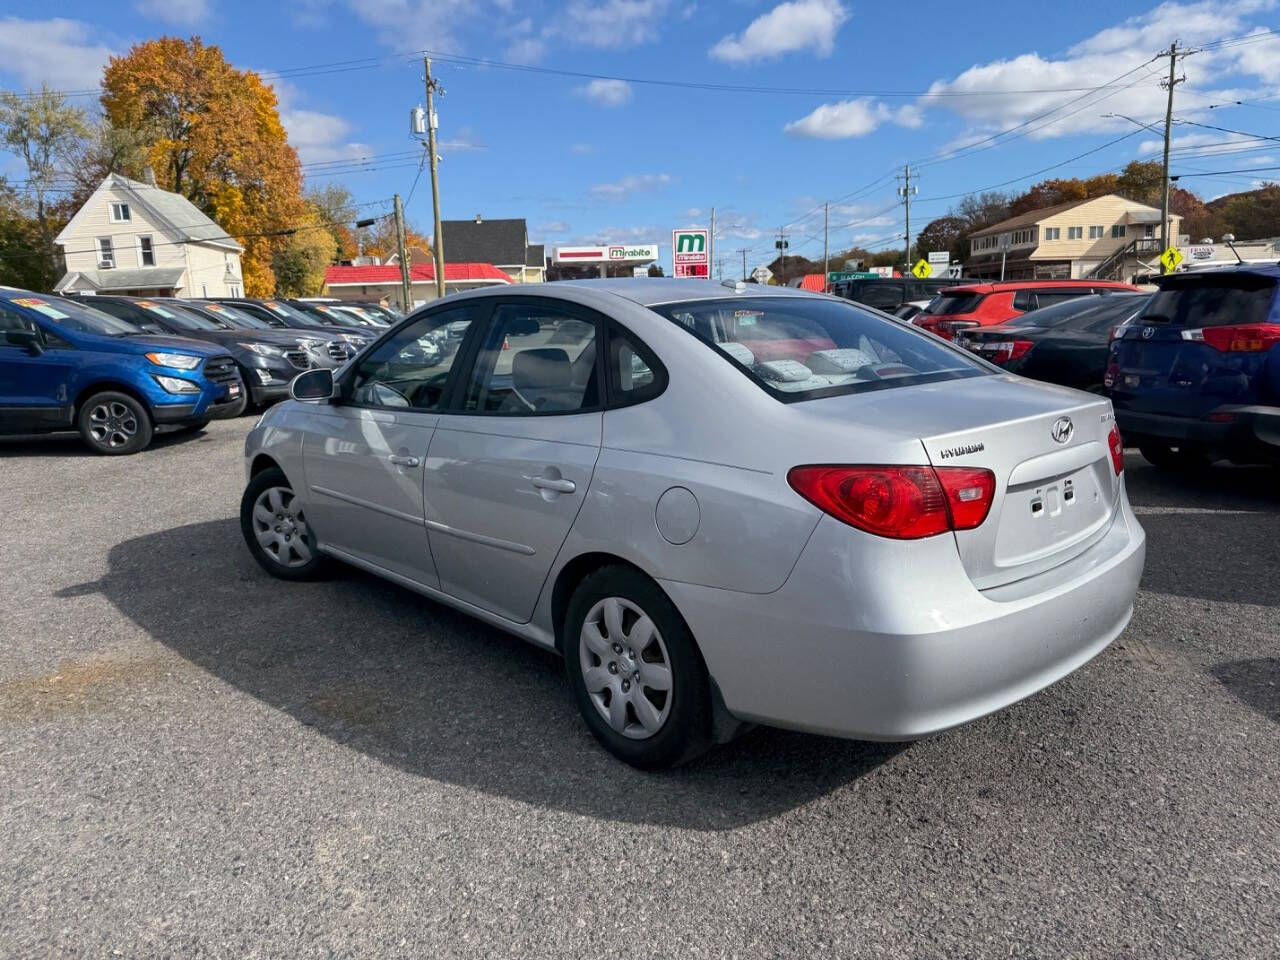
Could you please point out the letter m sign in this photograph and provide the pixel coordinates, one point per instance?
(691, 242)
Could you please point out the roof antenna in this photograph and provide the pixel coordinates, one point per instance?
(1230, 240)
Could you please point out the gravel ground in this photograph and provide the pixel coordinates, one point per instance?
(198, 760)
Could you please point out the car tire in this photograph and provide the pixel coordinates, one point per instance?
(1167, 457)
(619, 684)
(114, 424)
(276, 530)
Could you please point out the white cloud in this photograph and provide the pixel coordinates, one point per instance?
(637, 183)
(994, 96)
(607, 93)
(185, 12)
(317, 136)
(842, 120)
(552, 228)
(787, 28)
(65, 54)
(613, 23)
(410, 25)
(462, 141)
(581, 149)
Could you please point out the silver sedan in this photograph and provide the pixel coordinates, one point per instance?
(722, 504)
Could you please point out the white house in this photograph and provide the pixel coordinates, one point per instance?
(134, 238)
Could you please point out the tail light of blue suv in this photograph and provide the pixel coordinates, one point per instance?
(898, 502)
(1242, 338)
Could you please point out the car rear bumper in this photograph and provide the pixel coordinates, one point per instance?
(898, 651)
(1252, 435)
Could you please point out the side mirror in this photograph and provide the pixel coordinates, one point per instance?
(312, 386)
(29, 339)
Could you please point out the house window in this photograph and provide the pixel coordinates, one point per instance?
(1095, 233)
(120, 213)
(1075, 233)
(106, 253)
(1148, 231)
(146, 253)
(1117, 231)
(1052, 233)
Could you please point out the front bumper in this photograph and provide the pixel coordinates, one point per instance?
(1252, 436)
(900, 650)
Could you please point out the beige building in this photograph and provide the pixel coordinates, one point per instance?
(134, 238)
(1107, 237)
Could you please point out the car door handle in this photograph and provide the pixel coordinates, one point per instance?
(400, 461)
(547, 483)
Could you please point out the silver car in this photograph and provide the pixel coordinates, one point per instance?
(721, 504)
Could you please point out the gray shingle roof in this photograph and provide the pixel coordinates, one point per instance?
(500, 242)
(537, 255)
(144, 278)
(183, 215)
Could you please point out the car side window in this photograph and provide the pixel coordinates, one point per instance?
(536, 358)
(411, 369)
(1024, 300)
(635, 374)
(1050, 297)
(11, 319)
(883, 295)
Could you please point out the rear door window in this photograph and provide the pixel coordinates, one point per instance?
(883, 296)
(949, 304)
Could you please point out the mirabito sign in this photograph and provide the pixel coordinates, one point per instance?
(691, 253)
(608, 253)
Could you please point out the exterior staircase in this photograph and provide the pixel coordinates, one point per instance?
(1113, 267)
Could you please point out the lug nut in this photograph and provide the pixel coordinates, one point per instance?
(613, 667)
(617, 648)
(626, 685)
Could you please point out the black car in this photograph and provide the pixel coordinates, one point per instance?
(889, 293)
(268, 360)
(278, 314)
(326, 314)
(1065, 343)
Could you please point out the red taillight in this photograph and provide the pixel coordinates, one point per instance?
(901, 502)
(1116, 446)
(1243, 338)
(1005, 351)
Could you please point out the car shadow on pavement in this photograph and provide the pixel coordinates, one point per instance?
(436, 693)
(1255, 683)
(70, 444)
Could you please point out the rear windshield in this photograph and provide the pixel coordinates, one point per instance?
(178, 317)
(802, 348)
(1216, 302)
(946, 304)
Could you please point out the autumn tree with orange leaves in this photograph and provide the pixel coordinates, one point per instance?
(213, 134)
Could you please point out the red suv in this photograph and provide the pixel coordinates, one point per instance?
(986, 304)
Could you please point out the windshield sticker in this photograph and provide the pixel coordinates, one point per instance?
(215, 307)
(156, 309)
(41, 306)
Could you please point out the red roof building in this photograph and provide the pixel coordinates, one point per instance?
(376, 282)
(815, 282)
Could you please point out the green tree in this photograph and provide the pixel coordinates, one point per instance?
(334, 206)
(944, 233)
(20, 265)
(299, 265)
(1253, 215)
(45, 131)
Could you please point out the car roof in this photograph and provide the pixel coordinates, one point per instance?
(1270, 270)
(651, 291)
(996, 286)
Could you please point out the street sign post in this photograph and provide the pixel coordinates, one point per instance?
(922, 269)
(762, 274)
(940, 256)
(1170, 259)
(691, 253)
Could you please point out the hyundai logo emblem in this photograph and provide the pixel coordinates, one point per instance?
(1062, 430)
(1148, 333)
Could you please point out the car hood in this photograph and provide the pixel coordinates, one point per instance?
(148, 342)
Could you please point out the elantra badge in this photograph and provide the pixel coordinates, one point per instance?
(1062, 430)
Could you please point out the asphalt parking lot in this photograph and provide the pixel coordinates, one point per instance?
(199, 760)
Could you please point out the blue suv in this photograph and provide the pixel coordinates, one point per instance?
(64, 365)
(1195, 377)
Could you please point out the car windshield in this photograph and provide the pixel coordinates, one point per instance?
(284, 311)
(177, 317)
(1219, 301)
(76, 317)
(1082, 309)
(802, 348)
(947, 304)
(327, 315)
(235, 317)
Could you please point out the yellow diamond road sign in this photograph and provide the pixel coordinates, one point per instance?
(922, 269)
(1171, 258)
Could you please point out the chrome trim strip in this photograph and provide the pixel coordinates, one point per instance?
(439, 527)
(345, 498)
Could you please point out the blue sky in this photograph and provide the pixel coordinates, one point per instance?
(588, 159)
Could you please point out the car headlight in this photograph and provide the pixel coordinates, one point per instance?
(263, 349)
(310, 344)
(355, 338)
(179, 361)
(177, 385)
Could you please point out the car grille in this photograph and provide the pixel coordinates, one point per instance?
(220, 370)
(337, 350)
(298, 358)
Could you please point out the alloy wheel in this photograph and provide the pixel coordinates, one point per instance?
(626, 668)
(112, 424)
(281, 528)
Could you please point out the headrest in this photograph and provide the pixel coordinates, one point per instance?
(543, 368)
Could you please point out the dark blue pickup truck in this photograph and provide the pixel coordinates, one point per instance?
(66, 366)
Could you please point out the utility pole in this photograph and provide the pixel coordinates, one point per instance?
(826, 236)
(432, 122)
(744, 251)
(1173, 54)
(711, 241)
(906, 192)
(781, 245)
(406, 286)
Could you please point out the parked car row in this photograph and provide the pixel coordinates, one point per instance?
(1193, 370)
